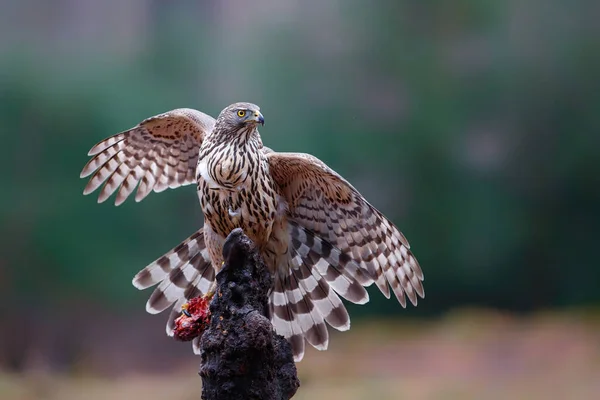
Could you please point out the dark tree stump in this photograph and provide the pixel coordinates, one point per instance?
(242, 356)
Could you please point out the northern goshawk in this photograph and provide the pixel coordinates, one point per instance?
(318, 235)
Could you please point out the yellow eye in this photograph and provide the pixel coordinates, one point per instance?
(241, 113)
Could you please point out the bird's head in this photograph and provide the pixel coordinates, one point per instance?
(240, 115)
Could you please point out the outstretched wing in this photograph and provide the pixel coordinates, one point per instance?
(160, 152)
(322, 201)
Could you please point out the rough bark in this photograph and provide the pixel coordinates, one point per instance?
(242, 356)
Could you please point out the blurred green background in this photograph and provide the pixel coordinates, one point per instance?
(473, 125)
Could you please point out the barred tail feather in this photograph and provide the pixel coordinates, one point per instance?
(196, 345)
(172, 288)
(181, 274)
(338, 268)
(307, 289)
(324, 298)
(157, 271)
(307, 316)
(282, 316)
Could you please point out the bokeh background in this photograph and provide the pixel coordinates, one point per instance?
(473, 125)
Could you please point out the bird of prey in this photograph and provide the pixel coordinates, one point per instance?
(317, 234)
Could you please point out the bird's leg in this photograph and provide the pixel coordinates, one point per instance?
(213, 286)
(211, 291)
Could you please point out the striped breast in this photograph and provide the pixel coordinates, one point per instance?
(236, 189)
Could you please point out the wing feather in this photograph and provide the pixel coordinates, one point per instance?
(160, 152)
(320, 200)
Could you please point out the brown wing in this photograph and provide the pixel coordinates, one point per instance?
(321, 200)
(160, 152)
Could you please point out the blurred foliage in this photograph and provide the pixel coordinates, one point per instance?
(473, 125)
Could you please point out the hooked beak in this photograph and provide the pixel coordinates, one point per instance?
(258, 118)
